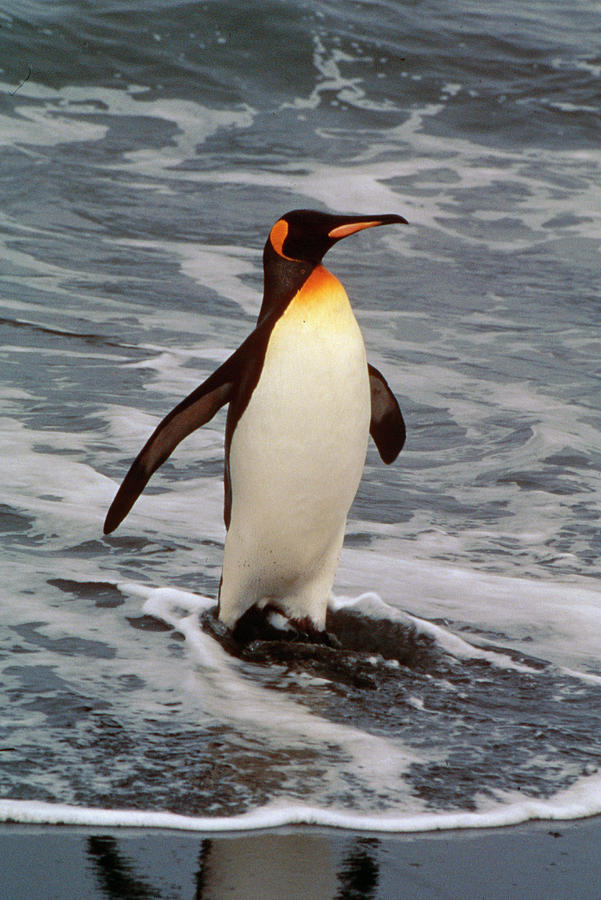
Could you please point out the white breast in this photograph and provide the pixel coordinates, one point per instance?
(297, 455)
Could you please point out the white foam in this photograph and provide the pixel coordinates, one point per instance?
(374, 607)
(237, 699)
(35, 127)
(579, 801)
(367, 181)
(67, 114)
(32, 474)
(219, 267)
(554, 620)
(331, 80)
(585, 65)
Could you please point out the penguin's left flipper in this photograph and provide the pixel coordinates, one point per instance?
(387, 426)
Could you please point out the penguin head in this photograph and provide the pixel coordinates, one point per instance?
(306, 235)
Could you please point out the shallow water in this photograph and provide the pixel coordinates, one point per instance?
(144, 159)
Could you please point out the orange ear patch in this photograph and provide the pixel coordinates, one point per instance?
(278, 235)
(342, 231)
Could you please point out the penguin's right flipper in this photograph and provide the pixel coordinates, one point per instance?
(195, 410)
(387, 426)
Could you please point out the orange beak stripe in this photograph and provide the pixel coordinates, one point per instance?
(342, 231)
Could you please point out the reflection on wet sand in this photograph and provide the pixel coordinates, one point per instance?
(266, 866)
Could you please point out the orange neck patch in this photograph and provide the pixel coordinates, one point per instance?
(322, 289)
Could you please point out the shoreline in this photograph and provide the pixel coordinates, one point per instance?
(543, 858)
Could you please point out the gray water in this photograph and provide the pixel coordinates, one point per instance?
(146, 150)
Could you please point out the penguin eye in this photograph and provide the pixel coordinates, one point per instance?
(278, 235)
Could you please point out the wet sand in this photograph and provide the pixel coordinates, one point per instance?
(542, 859)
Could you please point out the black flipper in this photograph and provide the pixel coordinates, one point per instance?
(387, 426)
(234, 381)
(197, 408)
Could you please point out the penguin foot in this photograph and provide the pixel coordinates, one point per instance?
(270, 623)
(306, 633)
(262, 627)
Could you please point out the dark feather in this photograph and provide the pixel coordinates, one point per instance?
(387, 426)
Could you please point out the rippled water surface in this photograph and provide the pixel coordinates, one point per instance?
(146, 149)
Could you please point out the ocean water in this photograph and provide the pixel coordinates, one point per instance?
(146, 148)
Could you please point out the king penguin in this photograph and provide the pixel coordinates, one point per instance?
(303, 401)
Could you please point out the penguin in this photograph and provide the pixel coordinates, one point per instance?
(303, 401)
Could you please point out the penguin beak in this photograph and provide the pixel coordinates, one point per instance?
(342, 231)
